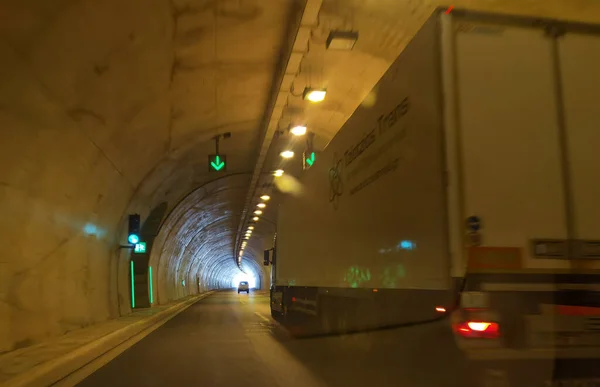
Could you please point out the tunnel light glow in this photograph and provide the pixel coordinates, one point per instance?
(244, 277)
(298, 130)
(132, 286)
(278, 173)
(258, 212)
(250, 227)
(150, 283)
(261, 205)
(265, 197)
(255, 219)
(287, 154)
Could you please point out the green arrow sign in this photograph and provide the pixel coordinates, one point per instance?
(140, 248)
(311, 159)
(216, 162)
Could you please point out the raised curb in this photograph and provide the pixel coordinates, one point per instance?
(52, 371)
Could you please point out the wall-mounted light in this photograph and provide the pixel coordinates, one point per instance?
(341, 40)
(265, 197)
(261, 205)
(314, 95)
(298, 130)
(278, 173)
(258, 212)
(287, 154)
(251, 228)
(255, 219)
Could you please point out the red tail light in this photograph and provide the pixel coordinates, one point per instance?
(478, 329)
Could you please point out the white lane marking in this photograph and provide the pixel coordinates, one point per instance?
(263, 317)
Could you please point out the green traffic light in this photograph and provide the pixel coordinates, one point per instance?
(217, 164)
(310, 160)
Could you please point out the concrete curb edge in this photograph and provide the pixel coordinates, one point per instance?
(52, 371)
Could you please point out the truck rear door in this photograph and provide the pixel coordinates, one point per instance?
(527, 179)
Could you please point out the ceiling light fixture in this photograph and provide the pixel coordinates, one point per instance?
(314, 95)
(278, 173)
(288, 154)
(341, 40)
(298, 130)
(255, 219)
(258, 212)
(265, 197)
(261, 205)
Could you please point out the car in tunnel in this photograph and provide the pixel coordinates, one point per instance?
(243, 287)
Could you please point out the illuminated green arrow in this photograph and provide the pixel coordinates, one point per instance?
(311, 159)
(217, 164)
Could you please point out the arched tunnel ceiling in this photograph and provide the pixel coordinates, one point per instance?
(108, 107)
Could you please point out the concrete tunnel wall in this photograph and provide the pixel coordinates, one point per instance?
(86, 139)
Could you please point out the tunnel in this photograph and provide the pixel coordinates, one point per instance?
(118, 107)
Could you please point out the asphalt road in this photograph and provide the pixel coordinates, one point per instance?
(228, 339)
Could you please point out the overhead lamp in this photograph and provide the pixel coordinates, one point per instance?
(298, 130)
(278, 173)
(255, 219)
(258, 212)
(314, 95)
(341, 40)
(288, 154)
(251, 228)
(261, 205)
(265, 197)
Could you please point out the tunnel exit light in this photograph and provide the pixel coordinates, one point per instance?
(140, 248)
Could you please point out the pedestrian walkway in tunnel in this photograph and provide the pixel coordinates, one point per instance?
(229, 339)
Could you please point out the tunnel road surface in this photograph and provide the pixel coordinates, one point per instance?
(228, 339)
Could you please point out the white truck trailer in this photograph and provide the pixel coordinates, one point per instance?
(474, 177)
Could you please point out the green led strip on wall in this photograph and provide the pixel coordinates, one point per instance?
(150, 280)
(132, 287)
